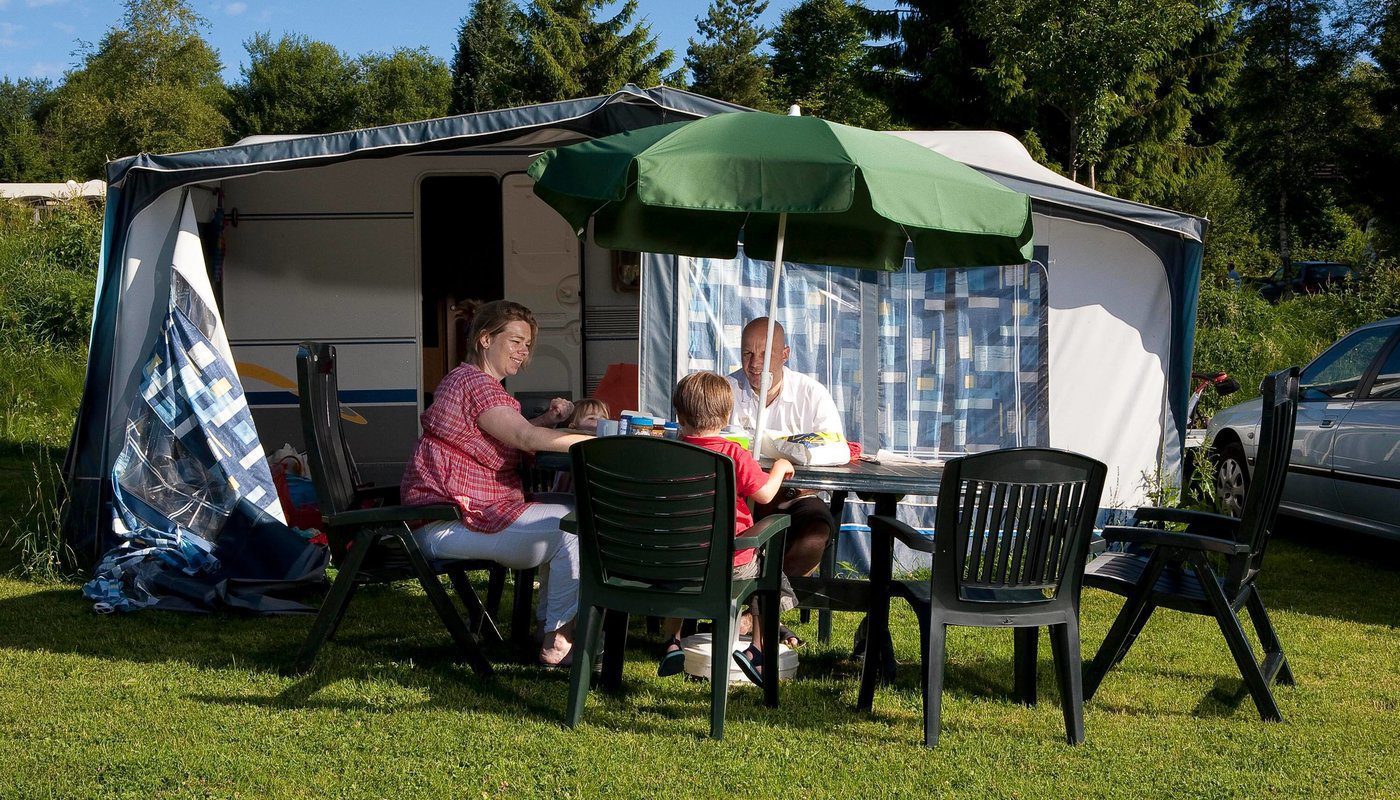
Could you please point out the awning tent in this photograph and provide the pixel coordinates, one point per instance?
(1105, 321)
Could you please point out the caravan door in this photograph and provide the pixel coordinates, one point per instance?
(542, 272)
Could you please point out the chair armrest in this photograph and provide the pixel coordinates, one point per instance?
(372, 516)
(1200, 521)
(569, 524)
(1185, 541)
(388, 495)
(910, 537)
(762, 531)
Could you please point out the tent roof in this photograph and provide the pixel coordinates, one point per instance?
(627, 108)
(1001, 157)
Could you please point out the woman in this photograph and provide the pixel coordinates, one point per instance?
(469, 456)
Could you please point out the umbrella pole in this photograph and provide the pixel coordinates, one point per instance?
(767, 382)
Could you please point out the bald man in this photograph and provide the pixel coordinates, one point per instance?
(796, 404)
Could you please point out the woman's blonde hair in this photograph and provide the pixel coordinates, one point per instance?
(583, 408)
(492, 318)
(703, 401)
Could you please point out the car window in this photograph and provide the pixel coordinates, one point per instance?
(1336, 373)
(1386, 386)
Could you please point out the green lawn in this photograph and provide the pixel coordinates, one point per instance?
(165, 705)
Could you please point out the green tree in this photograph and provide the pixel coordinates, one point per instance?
(572, 53)
(489, 66)
(1174, 112)
(820, 62)
(294, 85)
(1294, 98)
(402, 86)
(22, 152)
(932, 67)
(151, 84)
(1081, 59)
(726, 63)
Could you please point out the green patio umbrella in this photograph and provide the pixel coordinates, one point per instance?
(797, 187)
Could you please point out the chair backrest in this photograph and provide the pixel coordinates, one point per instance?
(331, 471)
(654, 515)
(1279, 393)
(1013, 526)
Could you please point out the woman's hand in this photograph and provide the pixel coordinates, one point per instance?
(505, 424)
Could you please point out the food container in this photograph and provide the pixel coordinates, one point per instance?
(673, 430)
(639, 426)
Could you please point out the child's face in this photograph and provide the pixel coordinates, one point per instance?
(589, 421)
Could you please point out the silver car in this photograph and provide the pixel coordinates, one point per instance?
(1345, 465)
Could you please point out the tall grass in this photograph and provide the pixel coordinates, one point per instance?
(47, 273)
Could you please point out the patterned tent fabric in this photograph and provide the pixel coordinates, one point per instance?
(960, 361)
(191, 461)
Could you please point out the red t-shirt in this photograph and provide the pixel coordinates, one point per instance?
(748, 478)
(457, 462)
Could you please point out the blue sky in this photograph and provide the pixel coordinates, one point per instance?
(38, 38)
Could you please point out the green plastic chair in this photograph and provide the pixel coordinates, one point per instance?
(655, 521)
(1013, 530)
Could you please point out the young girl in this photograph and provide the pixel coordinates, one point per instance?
(703, 401)
(586, 415)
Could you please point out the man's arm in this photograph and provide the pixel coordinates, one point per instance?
(823, 414)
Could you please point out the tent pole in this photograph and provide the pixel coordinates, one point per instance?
(767, 382)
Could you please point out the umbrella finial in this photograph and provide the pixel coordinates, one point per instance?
(794, 110)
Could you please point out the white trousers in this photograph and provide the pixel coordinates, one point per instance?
(533, 540)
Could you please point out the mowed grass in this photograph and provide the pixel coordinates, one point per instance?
(166, 705)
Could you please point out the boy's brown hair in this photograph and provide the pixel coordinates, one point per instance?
(703, 401)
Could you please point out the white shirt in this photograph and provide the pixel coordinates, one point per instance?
(803, 405)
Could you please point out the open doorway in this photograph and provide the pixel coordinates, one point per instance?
(459, 228)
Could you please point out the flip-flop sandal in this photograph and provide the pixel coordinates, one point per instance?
(673, 662)
(787, 637)
(750, 661)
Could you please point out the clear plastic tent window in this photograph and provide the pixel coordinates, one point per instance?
(959, 357)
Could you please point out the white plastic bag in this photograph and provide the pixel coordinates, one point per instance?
(294, 462)
(817, 449)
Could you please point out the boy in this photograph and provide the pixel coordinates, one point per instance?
(703, 402)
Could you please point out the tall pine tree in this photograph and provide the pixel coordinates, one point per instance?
(726, 63)
(488, 69)
(1289, 104)
(820, 62)
(571, 52)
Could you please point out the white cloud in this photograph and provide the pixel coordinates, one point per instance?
(64, 27)
(7, 33)
(234, 9)
(42, 3)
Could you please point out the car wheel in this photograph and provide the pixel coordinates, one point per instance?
(1231, 478)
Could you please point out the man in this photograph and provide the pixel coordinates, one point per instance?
(796, 404)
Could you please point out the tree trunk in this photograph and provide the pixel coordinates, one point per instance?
(1073, 150)
(1092, 180)
(1284, 246)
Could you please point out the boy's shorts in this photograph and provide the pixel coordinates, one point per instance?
(787, 598)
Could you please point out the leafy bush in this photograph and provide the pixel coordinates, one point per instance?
(47, 273)
(1240, 333)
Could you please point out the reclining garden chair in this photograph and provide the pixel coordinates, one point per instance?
(1013, 530)
(369, 543)
(1174, 569)
(655, 521)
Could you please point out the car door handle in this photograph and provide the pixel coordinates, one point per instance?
(1327, 422)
